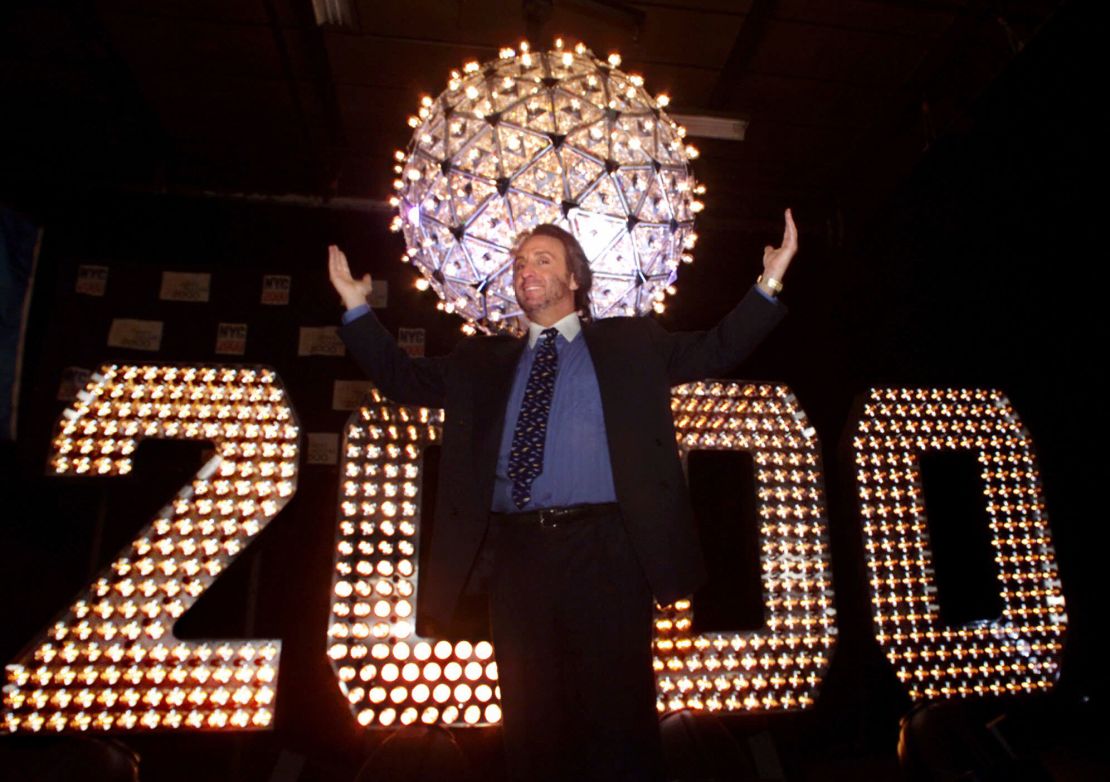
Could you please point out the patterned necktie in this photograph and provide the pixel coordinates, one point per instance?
(526, 453)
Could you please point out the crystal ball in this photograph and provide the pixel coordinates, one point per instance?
(557, 137)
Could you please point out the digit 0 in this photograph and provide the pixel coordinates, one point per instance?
(110, 661)
(387, 672)
(779, 667)
(1020, 651)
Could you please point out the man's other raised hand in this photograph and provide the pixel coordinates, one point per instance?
(776, 260)
(353, 292)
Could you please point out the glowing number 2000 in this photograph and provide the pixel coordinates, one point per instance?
(110, 661)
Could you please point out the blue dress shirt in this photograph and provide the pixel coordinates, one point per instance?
(576, 466)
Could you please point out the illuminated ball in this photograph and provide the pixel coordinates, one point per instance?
(553, 137)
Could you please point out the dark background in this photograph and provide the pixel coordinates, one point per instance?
(947, 200)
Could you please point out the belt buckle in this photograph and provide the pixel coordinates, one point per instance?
(549, 518)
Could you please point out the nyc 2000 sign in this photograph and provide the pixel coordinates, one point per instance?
(110, 661)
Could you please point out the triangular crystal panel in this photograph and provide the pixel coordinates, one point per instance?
(653, 244)
(479, 157)
(634, 183)
(469, 194)
(592, 139)
(456, 266)
(473, 98)
(563, 65)
(517, 68)
(676, 186)
(533, 113)
(610, 296)
(618, 257)
(595, 233)
(507, 90)
(499, 292)
(431, 139)
(465, 131)
(493, 223)
(589, 87)
(419, 173)
(518, 148)
(628, 142)
(460, 294)
(543, 178)
(668, 146)
(438, 238)
(604, 199)
(529, 211)
(437, 202)
(573, 112)
(654, 208)
(487, 259)
(580, 171)
(624, 96)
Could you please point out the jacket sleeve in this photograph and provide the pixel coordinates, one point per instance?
(694, 355)
(402, 378)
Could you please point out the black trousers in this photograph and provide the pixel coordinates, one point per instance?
(571, 615)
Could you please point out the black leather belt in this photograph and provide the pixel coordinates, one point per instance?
(550, 518)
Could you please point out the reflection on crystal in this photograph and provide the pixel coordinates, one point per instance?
(553, 137)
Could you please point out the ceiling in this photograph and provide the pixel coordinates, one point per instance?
(255, 99)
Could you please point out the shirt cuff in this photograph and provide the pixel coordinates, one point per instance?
(354, 313)
(770, 297)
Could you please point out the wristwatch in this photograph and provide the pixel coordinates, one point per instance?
(770, 283)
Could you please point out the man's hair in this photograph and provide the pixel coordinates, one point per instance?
(576, 261)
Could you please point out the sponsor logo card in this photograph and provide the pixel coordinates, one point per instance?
(323, 448)
(411, 341)
(231, 339)
(185, 286)
(135, 334)
(348, 394)
(320, 341)
(92, 280)
(275, 289)
(73, 380)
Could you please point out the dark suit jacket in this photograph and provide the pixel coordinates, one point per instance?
(637, 362)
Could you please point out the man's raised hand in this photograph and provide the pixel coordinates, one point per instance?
(353, 292)
(777, 259)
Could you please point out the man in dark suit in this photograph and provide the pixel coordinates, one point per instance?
(559, 471)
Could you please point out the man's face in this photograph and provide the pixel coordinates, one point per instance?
(542, 281)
